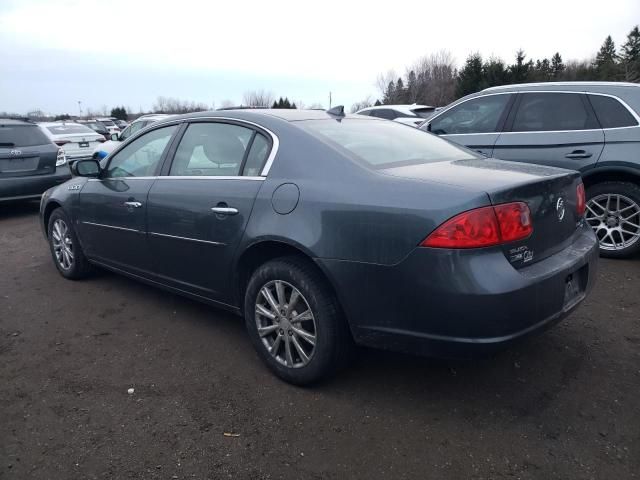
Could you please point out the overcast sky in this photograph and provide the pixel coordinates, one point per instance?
(129, 52)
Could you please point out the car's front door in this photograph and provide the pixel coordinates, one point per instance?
(552, 128)
(475, 123)
(112, 208)
(198, 210)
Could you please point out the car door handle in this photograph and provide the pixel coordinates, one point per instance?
(132, 204)
(578, 154)
(225, 210)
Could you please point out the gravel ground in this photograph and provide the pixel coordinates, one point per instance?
(562, 405)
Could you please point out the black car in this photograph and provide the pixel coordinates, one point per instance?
(324, 229)
(30, 162)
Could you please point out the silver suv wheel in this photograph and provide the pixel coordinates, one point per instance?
(615, 219)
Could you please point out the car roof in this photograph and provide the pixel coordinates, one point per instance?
(401, 107)
(578, 86)
(57, 124)
(14, 121)
(289, 115)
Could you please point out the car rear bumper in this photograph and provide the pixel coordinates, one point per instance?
(22, 188)
(459, 303)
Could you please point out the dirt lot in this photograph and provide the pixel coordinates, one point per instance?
(563, 405)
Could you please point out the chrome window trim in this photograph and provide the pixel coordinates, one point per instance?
(179, 177)
(208, 177)
(624, 104)
(175, 237)
(112, 226)
(275, 142)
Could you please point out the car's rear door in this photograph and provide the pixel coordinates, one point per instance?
(112, 209)
(551, 128)
(475, 123)
(199, 208)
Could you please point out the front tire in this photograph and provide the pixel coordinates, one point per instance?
(294, 321)
(66, 251)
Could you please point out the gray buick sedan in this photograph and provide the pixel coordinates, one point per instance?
(325, 230)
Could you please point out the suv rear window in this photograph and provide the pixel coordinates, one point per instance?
(552, 111)
(22, 136)
(424, 112)
(385, 144)
(611, 113)
(67, 129)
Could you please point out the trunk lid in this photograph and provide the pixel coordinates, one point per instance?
(550, 193)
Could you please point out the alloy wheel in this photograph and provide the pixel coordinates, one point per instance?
(615, 219)
(62, 244)
(285, 324)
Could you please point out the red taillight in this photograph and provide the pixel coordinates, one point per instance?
(514, 220)
(100, 139)
(61, 142)
(483, 227)
(581, 204)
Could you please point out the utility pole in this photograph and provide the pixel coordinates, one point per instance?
(329, 99)
(80, 107)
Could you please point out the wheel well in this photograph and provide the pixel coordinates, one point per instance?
(261, 253)
(611, 176)
(51, 206)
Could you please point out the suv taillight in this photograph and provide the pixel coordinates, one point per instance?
(581, 204)
(483, 227)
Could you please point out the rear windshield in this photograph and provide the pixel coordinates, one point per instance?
(424, 112)
(22, 136)
(67, 129)
(107, 122)
(385, 144)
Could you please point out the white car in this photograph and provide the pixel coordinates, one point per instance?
(77, 141)
(412, 115)
(110, 124)
(116, 138)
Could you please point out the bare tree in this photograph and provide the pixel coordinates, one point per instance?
(175, 105)
(383, 80)
(367, 102)
(227, 104)
(433, 79)
(258, 98)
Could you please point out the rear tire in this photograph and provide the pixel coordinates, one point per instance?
(66, 251)
(613, 211)
(300, 348)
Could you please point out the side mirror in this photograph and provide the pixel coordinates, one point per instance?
(115, 137)
(86, 168)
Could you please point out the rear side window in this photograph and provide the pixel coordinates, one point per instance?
(257, 156)
(544, 112)
(22, 136)
(385, 113)
(211, 149)
(424, 112)
(611, 113)
(384, 144)
(478, 115)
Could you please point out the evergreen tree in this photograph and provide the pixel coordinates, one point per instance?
(293, 105)
(275, 104)
(631, 56)
(286, 103)
(400, 92)
(606, 63)
(494, 73)
(412, 87)
(390, 94)
(519, 71)
(377, 104)
(471, 76)
(557, 66)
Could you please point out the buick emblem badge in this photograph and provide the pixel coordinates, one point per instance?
(560, 210)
